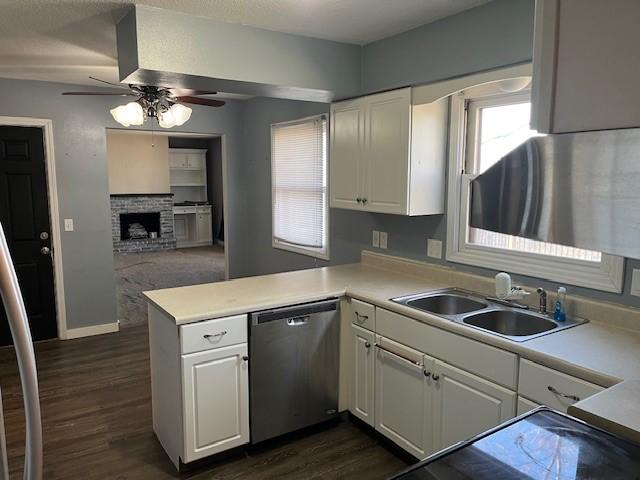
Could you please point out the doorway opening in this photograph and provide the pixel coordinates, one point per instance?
(167, 213)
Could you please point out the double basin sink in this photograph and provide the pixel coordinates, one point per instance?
(516, 324)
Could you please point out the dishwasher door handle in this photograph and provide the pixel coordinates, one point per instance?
(295, 321)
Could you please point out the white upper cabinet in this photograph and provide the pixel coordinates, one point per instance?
(585, 65)
(387, 155)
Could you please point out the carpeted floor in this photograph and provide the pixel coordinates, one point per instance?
(136, 273)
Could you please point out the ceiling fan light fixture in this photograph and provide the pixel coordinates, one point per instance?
(129, 114)
(181, 113)
(166, 119)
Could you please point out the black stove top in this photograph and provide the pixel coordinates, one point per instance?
(541, 445)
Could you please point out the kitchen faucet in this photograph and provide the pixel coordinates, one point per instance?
(543, 300)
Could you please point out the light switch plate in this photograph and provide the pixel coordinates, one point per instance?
(635, 282)
(383, 239)
(434, 248)
(375, 241)
(68, 224)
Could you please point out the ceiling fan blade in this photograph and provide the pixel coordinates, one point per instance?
(122, 93)
(182, 92)
(210, 102)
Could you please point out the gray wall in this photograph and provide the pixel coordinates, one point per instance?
(491, 36)
(497, 34)
(79, 125)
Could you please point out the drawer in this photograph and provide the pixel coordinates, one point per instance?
(363, 314)
(484, 360)
(206, 209)
(552, 388)
(183, 210)
(219, 332)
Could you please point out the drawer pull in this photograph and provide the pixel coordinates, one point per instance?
(406, 359)
(361, 318)
(367, 345)
(214, 337)
(563, 395)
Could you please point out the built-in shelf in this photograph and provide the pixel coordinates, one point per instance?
(188, 184)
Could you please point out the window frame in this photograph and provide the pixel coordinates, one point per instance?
(608, 275)
(322, 254)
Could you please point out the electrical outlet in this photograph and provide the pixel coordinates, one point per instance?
(383, 240)
(375, 241)
(635, 282)
(68, 224)
(434, 248)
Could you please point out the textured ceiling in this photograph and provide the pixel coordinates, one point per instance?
(68, 40)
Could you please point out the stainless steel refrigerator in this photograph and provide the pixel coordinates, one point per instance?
(19, 325)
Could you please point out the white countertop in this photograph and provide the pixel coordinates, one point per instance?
(596, 352)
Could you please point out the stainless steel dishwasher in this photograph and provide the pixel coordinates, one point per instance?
(293, 371)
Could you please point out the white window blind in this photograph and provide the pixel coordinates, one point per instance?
(299, 186)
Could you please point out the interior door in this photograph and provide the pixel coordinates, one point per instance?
(387, 151)
(347, 133)
(24, 213)
(466, 405)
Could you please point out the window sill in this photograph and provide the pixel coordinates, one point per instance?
(320, 254)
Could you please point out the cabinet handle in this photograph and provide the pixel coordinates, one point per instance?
(401, 357)
(364, 201)
(358, 199)
(435, 377)
(361, 318)
(426, 373)
(367, 345)
(245, 358)
(210, 337)
(563, 395)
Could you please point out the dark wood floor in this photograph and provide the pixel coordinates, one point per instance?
(96, 408)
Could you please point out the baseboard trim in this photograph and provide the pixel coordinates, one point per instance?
(92, 330)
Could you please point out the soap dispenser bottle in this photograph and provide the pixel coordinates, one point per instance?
(559, 313)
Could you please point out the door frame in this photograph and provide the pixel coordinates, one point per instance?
(54, 212)
(225, 183)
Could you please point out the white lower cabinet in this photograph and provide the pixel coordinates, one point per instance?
(362, 394)
(215, 401)
(423, 404)
(402, 399)
(465, 405)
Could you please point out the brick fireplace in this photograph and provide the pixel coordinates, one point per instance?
(142, 223)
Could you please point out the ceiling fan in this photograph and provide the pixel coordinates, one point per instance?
(164, 104)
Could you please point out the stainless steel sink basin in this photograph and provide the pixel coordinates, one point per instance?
(513, 323)
(473, 311)
(447, 304)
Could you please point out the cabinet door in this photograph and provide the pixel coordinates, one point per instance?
(466, 405)
(178, 160)
(402, 398)
(203, 227)
(180, 227)
(196, 159)
(347, 141)
(362, 394)
(215, 401)
(386, 154)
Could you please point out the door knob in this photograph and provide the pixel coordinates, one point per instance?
(45, 250)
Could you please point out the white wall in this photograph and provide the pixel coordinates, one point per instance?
(138, 162)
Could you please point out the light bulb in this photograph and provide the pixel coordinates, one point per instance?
(129, 114)
(180, 113)
(166, 119)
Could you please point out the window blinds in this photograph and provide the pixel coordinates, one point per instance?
(299, 183)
